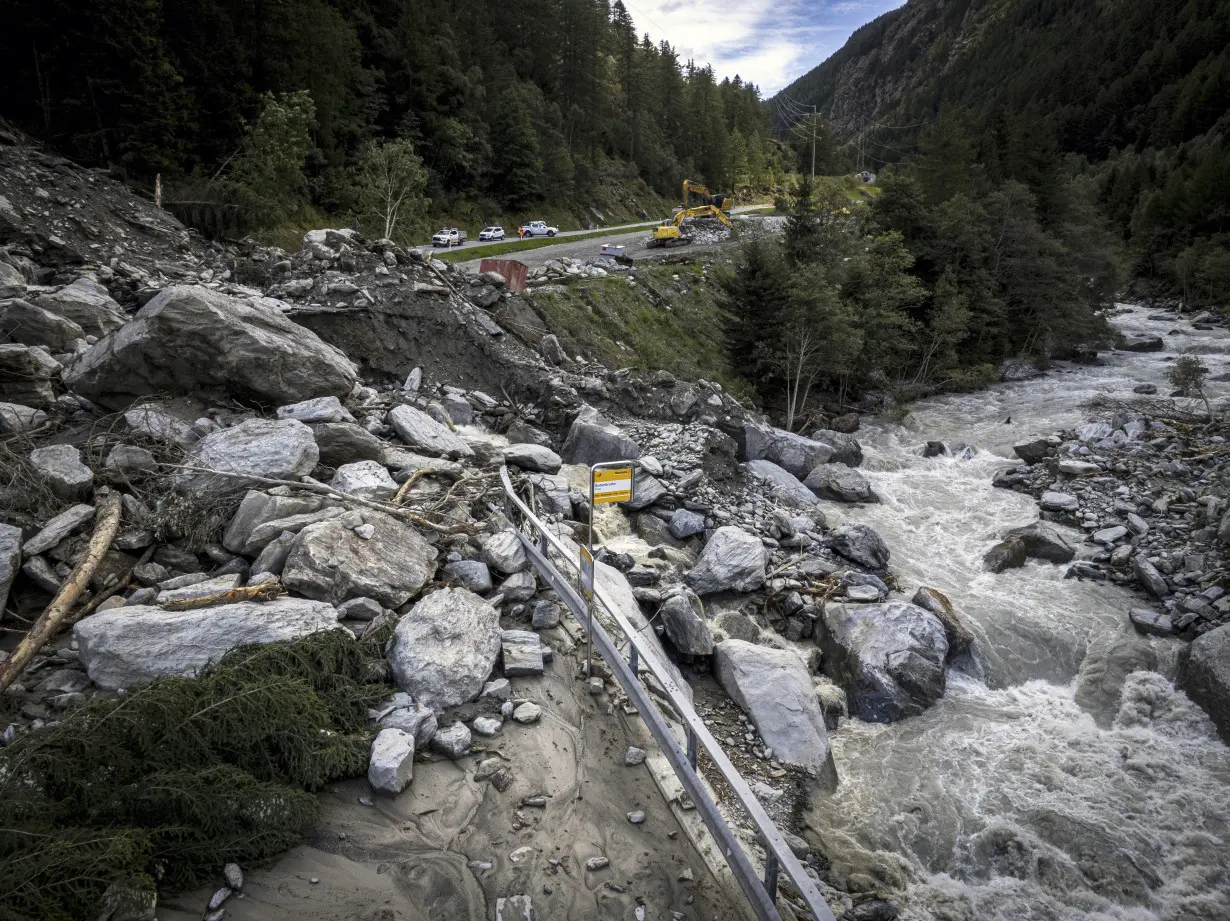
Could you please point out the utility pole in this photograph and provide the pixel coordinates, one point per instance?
(814, 117)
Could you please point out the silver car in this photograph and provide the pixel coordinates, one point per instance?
(491, 233)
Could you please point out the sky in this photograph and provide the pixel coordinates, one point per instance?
(766, 42)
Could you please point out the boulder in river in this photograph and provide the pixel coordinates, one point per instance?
(792, 452)
(1033, 450)
(861, 545)
(889, 658)
(846, 449)
(1043, 541)
(1204, 674)
(961, 637)
(782, 483)
(1007, 554)
(774, 688)
(839, 483)
(190, 338)
(1140, 342)
(732, 560)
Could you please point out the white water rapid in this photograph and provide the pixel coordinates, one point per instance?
(1007, 801)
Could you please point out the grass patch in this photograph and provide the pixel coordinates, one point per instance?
(513, 246)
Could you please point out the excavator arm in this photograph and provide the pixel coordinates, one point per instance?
(695, 188)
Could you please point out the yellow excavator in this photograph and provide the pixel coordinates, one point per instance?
(671, 233)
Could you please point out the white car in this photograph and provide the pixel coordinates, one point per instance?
(539, 229)
(491, 233)
(449, 236)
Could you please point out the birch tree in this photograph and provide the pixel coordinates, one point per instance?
(391, 181)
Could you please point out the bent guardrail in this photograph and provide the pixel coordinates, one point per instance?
(761, 893)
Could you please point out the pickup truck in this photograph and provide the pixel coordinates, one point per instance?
(539, 229)
(449, 236)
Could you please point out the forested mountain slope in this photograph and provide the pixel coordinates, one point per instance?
(1137, 88)
(516, 103)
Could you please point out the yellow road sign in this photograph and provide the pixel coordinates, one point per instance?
(613, 484)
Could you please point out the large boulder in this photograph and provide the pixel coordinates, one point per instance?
(1204, 674)
(15, 418)
(259, 507)
(346, 442)
(683, 618)
(60, 469)
(593, 440)
(961, 637)
(1141, 342)
(1033, 450)
(532, 457)
(10, 561)
(781, 483)
(1043, 541)
(329, 561)
(774, 688)
(189, 339)
(445, 648)
(86, 303)
(123, 646)
(25, 323)
(391, 767)
(888, 657)
(27, 373)
(276, 449)
(839, 483)
(793, 453)
(846, 449)
(1007, 554)
(861, 545)
(423, 433)
(732, 561)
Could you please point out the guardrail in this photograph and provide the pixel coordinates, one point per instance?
(761, 893)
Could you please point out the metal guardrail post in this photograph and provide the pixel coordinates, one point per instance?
(634, 661)
(691, 747)
(770, 875)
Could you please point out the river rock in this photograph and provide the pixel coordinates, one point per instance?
(1151, 623)
(889, 658)
(190, 338)
(1148, 576)
(445, 648)
(87, 304)
(1043, 542)
(123, 646)
(683, 617)
(1139, 342)
(391, 767)
(471, 574)
(156, 422)
(532, 457)
(504, 553)
(23, 322)
(1204, 674)
(1106, 667)
(846, 449)
(794, 453)
(366, 479)
(732, 560)
(342, 443)
(685, 523)
(26, 374)
(774, 688)
(15, 418)
(277, 449)
(1058, 502)
(10, 561)
(423, 433)
(331, 562)
(960, 635)
(319, 409)
(592, 440)
(839, 483)
(1007, 554)
(861, 545)
(60, 469)
(781, 483)
(1076, 468)
(408, 715)
(1033, 450)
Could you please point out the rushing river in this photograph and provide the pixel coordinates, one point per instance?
(1008, 801)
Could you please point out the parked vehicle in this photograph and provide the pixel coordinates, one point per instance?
(491, 233)
(449, 236)
(539, 229)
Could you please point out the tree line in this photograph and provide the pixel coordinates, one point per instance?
(510, 103)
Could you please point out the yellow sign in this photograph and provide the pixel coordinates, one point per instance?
(612, 485)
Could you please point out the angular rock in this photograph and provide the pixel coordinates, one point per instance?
(1204, 675)
(452, 742)
(1151, 623)
(520, 586)
(411, 717)
(774, 688)
(1077, 468)
(423, 433)
(781, 483)
(646, 491)
(1032, 450)
(15, 418)
(87, 304)
(258, 508)
(342, 443)
(30, 325)
(846, 449)
(1148, 576)
(534, 458)
(592, 440)
(10, 561)
(1058, 502)
(191, 338)
(445, 647)
(546, 615)
(839, 483)
(152, 420)
(504, 553)
(328, 561)
(471, 574)
(26, 374)
(61, 526)
(793, 453)
(523, 653)
(200, 589)
(59, 467)
(366, 479)
(1007, 554)
(685, 524)
(129, 460)
(12, 282)
(527, 713)
(1109, 536)
(1138, 342)
(889, 658)
(272, 559)
(126, 645)
(683, 617)
(861, 545)
(550, 349)
(732, 560)
(281, 449)
(961, 637)
(319, 409)
(1043, 542)
(391, 767)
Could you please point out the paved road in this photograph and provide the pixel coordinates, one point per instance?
(512, 234)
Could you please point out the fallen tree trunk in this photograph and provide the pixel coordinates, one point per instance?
(50, 621)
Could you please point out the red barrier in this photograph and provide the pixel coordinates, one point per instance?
(514, 272)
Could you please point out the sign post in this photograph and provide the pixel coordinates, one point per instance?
(609, 483)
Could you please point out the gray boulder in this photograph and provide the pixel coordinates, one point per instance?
(366, 479)
(445, 647)
(1139, 342)
(272, 559)
(12, 282)
(346, 442)
(123, 646)
(520, 586)
(130, 460)
(277, 449)
(27, 373)
(961, 637)
(593, 440)
(685, 523)
(156, 422)
(391, 767)
(331, 562)
(59, 467)
(1007, 554)
(423, 433)
(1148, 576)
(1043, 541)
(471, 574)
(861, 545)
(1204, 675)
(774, 688)
(23, 322)
(259, 507)
(839, 483)
(1032, 450)
(10, 561)
(732, 560)
(1151, 623)
(404, 713)
(846, 449)
(318, 409)
(647, 489)
(781, 483)
(189, 338)
(61, 526)
(504, 553)
(793, 453)
(86, 303)
(683, 617)
(532, 457)
(1058, 502)
(452, 742)
(15, 418)
(523, 653)
(888, 657)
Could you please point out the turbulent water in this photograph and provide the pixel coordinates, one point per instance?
(1007, 801)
